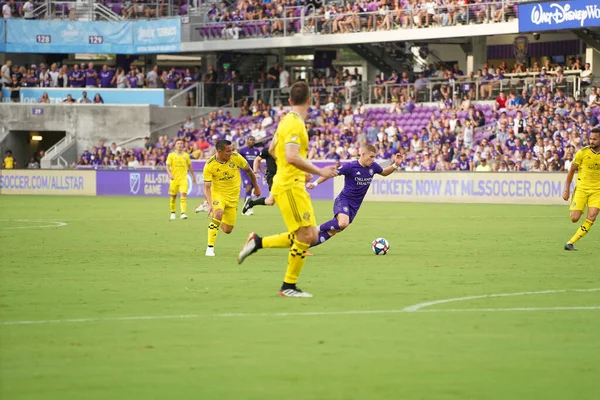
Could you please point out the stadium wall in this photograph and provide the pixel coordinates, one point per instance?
(91, 123)
(467, 187)
(422, 187)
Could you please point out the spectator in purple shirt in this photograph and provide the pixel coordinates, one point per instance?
(77, 78)
(106, 77)
(91, 76)
(172, 79)
(132, 80)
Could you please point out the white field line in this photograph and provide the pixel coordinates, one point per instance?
(418, 307)
(49, 223)
(410, 309)
(203, 216)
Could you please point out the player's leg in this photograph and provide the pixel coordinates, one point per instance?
(173, 190)
(343, 216)
(183, 189)
(578, 202)
(298, 215)
(262, 201)
(330, 228)
(229, 217)
(214, 225)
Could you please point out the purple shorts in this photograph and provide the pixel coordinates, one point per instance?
(245, 178)
(342, 206)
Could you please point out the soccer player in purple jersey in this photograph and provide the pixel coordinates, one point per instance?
(249, 153)
(358, 176)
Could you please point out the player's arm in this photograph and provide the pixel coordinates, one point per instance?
(293, 157)
(169, 171)
(570, 175)
(191, 171)
(257, 165)
(272, 147)
(392, 167)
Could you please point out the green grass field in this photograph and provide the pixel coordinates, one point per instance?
(124, 305)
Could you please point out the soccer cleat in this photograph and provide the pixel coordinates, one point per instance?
(251, 246)
(173, 216)
(293, 292)
(249, 212)
(183, 216)
(247, 207)
(570, 247)
(210, 252)
(203, 207)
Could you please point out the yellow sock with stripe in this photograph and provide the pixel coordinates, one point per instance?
(582, 231)
(183, 205)
(213, 230)
(172, 203)
(280, 241)
(296, 260)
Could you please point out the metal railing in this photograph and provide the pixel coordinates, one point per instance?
(428, 90)
(91, 10)
(322, 23)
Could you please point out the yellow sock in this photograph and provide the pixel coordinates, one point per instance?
(183, 204)
(296, 260)
(582, 231)
(172, 204)
(280, 241)
(213, 230)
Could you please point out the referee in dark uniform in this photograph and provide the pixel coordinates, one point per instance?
(269, 175)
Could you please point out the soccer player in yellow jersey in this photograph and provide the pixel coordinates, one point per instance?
(222, 190)
(290, 149)
(587, 189)
(178, 165)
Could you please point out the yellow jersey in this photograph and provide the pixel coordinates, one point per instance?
(179, 164)
(225, 176)
(588, 173)
(291, 130)
(9, 162)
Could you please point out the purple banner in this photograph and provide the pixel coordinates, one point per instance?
(156, 183)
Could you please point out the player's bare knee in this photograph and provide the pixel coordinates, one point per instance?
(592, 215)
(343, 224)
(227, 229)
(575, 218)
(218, 214)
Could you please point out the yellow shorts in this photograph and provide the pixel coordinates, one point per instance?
(296, 208)
(581, 197)
(228, 206)
(178, 186)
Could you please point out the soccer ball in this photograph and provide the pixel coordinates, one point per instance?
(380, 246)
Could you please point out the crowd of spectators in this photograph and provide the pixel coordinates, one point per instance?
(268, 18)
(14, 77)
(264, 17)
(533, 130)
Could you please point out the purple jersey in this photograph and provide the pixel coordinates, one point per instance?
(250, 155)
(357, 180)
(105, 78)
(132, 81)
(91, 77)
(76, 76)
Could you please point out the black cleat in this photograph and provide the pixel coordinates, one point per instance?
(246, 205)
(570, 247)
